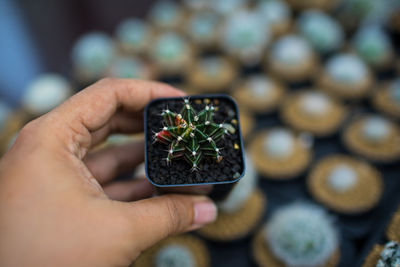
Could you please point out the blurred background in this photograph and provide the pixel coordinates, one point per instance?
(38, 37)
(321, 73)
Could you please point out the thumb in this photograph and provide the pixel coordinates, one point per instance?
(156, 218)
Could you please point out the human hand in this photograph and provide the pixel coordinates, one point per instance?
(53, 208)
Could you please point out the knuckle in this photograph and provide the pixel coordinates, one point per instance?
(175, 214)
(29, 130)
(107, 81)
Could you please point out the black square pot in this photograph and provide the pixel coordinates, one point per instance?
(213, 178)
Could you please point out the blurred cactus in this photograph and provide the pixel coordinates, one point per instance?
(390, 255)
(245, 36)
(302, 235)
(373, 45)
(395, 90)
(92, 54)
(45, 92)
(133, 34)
(323, 32)
(166, 14)
(174, 256)
(241, 191)
(354, 12)
(191, 135)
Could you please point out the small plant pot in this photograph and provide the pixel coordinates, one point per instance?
(221, 163)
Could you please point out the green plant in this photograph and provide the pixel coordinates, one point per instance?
(191, 135)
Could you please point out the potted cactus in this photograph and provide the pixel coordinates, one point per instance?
(390, 255)
(193, 141)
(298, 234)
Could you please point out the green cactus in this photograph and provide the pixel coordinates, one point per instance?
(191, 135)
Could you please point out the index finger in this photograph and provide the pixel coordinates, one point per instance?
(93, 107)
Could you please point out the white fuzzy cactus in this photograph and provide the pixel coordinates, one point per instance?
(301, 235)
(242, 190)
(390, 255)
(279, 143)
(92, 54)
(342, 178)
(45, 93)
(395, 90)
(273, 12)
(165, 13)
(323, 32)
(315, 103)
(174, 256)
(203, 26)
(245, 36)
(291, 50)
(170, 48)
(347, 69)
(373, 44)
(133, 33)
(260, 86)
(376, 128)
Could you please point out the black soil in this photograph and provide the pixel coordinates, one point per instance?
(178, 172)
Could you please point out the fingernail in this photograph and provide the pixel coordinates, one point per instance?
(204, 212)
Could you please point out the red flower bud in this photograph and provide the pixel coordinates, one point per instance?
(179, 121)
(164, 136)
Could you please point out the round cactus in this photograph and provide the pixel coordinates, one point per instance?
(203, 26)
(130, 68)
(390, 255)
(315, 104)
(191, 135)
(242, 190)
(273, 12)
(301, 235)
(260, 86)
(279, 143)
(291, 50)
(342, 178)
(323, 32)
(134, 33)
(174, 256)
(170, 48)
(395, 90)
(373, 44)
(165, 13)
(376, 128)
(347, 69)
(244, 36)
(93, 53)
(45, 93)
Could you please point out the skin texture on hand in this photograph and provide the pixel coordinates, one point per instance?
(58, 203)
